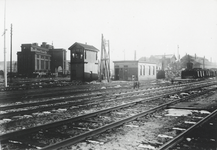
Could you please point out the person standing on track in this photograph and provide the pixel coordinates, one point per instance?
(135, 82)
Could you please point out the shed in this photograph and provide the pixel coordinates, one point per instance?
(141, 70)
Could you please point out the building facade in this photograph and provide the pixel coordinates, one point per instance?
(163, 61)
(34, 60)
(198, 62)
(58, 61)
(84, 62)
(141, 70)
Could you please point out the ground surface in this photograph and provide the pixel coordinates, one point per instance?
(146, 131)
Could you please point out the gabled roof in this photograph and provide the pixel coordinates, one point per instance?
(193, 57)
(85, 46)
(166, 56)
(143, 59)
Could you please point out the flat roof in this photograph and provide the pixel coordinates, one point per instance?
(131, 61)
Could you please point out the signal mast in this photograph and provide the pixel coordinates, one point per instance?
(104, 68)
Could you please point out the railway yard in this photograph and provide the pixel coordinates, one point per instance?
(110, 116)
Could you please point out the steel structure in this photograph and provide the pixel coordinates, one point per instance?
(104, 69)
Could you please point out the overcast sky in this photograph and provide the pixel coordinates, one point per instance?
(151, 27)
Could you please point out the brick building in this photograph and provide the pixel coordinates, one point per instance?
(84, 62)
(142, 70)
(40, 60)
(162, 61)
(58, 61)
(33, 59)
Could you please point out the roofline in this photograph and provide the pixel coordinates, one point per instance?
(35, 46)
(81, 44)
(134, 61)
(126, 61)
(147, 62)
(58, 49)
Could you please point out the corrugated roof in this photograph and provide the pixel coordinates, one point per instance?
(85, 46)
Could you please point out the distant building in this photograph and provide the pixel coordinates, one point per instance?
(14, 66)
(141, 70)
(40, 60)
(163, 61)
(84, 62)
(58, 61)
(33, 59)
(199, 62)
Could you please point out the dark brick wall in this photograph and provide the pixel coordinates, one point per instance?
(26, 63)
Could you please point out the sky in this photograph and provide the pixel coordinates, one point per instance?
(149, 27)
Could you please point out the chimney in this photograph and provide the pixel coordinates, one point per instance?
(195, 56)
(43, 44)
(134, 55)
(35, 44)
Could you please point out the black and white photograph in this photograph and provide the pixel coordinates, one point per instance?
(108, 74)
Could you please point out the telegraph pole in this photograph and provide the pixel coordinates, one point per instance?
(109, 60)
(178, 52)
(5, 61)
(100, 67)
(204, 62)
(11, 57)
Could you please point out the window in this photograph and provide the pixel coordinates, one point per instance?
(140, 69)
(85, 55)
(73, 55)
(96, 56)
(47, 65)
(42, 64)
(153, 70)
(143, 69)
(81, 56)
(149, 70)
(37, 65)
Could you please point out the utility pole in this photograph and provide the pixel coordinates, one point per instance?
(178, 52)
(5, 61)
(135, 55)
(109, 60)
(11, 57)
(101, 57)
(204, 62)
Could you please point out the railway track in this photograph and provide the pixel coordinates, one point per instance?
(156, 103)
(11, 96)
(24, 95)
(29, 108)
(200, 135)
(82, 106)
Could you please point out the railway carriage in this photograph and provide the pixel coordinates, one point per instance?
(198, 73)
